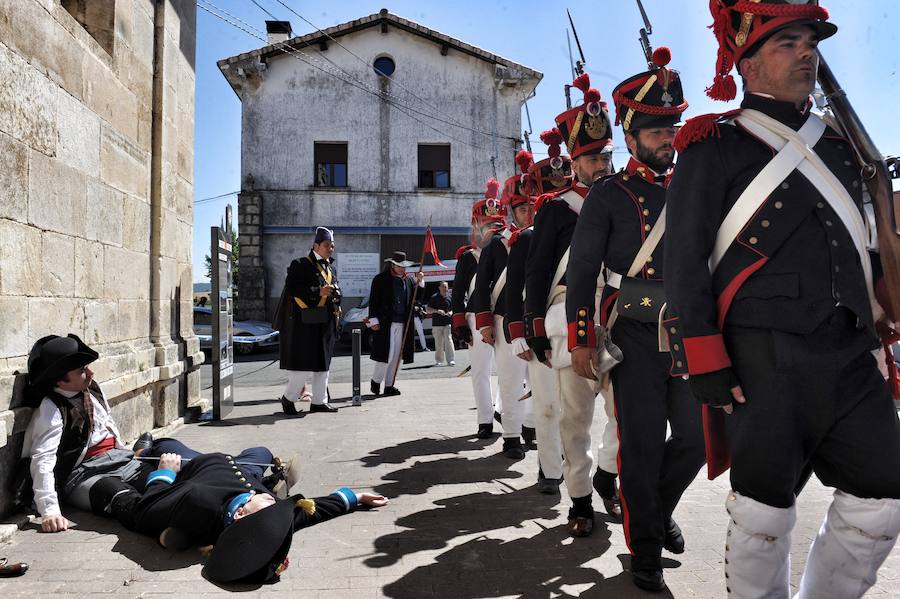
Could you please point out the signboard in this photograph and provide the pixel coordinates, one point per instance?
(355, 273)
(222, 304)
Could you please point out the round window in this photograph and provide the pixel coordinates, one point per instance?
(384, 65)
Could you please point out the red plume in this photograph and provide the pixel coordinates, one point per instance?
(592, 95)
(662, 56)
(524, 159)
(552, 137)
(463, 249)
(582, 82)
(491, 189)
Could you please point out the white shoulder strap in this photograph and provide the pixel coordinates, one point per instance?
(498, 288)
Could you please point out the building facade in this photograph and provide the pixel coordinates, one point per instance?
(96, 173)
(374, 128)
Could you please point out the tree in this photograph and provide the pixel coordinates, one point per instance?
(235, 255)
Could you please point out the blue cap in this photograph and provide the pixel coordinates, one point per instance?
(323, 234)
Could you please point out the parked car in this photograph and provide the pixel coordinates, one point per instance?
(249, 335)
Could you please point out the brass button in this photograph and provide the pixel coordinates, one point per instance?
(651, 271)
(581, 323)
(581, 333)
(641, 199)
(834, 242)
(820, 205)
(650, 259)
(238, 473)
(779, 205)
(243, 480)
(785, 185)
(855, 183)
(676, 347)
(647, 227)
(248, 485)
(765, 224)
(679, 364)
(646, 212)
(848, 163)
(624, 177)
(828, 223)
(233, 467)
(673, 330)
(753, 240)
(582, 312)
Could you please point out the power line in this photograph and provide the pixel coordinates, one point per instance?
(274, 18)
(218, 197)
(227, 18)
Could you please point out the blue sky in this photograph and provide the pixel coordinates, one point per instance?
(864, 56)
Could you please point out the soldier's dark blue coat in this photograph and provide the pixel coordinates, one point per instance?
(490, 265)
(466, 266)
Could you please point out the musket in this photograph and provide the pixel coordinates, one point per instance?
(571, 62)
(528, 116)
(579, 64)
(876, 171)
(646, 32)
(276, 464)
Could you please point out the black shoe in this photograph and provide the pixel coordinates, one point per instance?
(649, 580)
(512, 448)
(375, 388)
(143, 443)
(529, 434)
(485, 431)
(288, 407)
(498, 417)
(547, 486)
(388, 391)
(674, 542)
(174, 539)
(605, 483)
(322, 407)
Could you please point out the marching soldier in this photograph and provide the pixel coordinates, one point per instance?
(588, 137)
(616, 230)
(543, 384)
(777, 340)
(488, 218)
(488, 302)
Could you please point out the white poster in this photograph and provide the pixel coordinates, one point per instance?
(355, 273)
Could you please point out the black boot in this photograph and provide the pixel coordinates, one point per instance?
(288, 407)
(646, 573)
(389, 391)
(674, 541)
(605, 485)
(512, 448)
(547, 486)
(529, 435)
(581, 517)
(485, 431)
(375, 388)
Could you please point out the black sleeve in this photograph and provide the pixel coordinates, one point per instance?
(465, 270)
(375, 307)
(586, 256)
(541, 264)
(326, 508)
(303, 281)
(515, 278)
(481, 297)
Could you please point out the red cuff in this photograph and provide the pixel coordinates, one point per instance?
(459, 320)
(516, 329)
(706, 354)
(538, 325)
(484, 319)
(582, 335)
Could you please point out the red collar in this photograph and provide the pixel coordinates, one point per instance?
(636, 168)
(581, 189)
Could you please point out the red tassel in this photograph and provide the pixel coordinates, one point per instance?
(539, 203)
(723, 88)
(524, 160)
(552, 137)
(582, 82)
(699, 128)
(463, 249)
(662, 56)
(591, 95)
(492, 188)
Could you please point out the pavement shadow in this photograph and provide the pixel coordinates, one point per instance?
(458, 516)
(538, 567)
(398, 454)
(420, 477)
(257, 420)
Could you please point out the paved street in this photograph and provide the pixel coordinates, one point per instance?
(463, 522)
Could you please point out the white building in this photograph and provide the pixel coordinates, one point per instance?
(326, 140)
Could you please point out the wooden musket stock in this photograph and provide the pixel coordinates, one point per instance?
(877, 178)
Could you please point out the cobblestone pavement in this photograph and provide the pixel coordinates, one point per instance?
(463, 522)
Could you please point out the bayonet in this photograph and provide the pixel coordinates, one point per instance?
(579, 64)
(528, 116)
(646, 32)
(571, 62)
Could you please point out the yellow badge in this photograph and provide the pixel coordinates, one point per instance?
(646, 302)
(597, 127)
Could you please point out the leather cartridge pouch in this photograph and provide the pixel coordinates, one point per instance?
(640, 299)
(314, 315)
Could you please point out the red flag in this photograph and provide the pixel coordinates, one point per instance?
(430, 247)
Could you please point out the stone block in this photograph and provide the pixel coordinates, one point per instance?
(13, 179)
(193, 385)
(126, 274)
(56, 196)
(100, 321)
(109, 98)
(166, 402)
(56, 316)
(134, 413)
(123, 164)
(14, 339)
(136, 225)
(28, 108)
(79, 135)
(107, 205)
(88, 268)
(58, 260)
(142, 34)
(20, 257)
(134, 319)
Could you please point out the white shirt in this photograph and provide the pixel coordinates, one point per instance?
(42, 438)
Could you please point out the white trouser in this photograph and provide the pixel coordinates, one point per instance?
(387, 371)
(298, 378)
(608, 451)
(420, 331)
(511, 372)
(443, 344)
(758, 549)
(481, 356)
(855, 539)
(545, 394)
(576, 398)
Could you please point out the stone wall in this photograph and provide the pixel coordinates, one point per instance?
(96, 172)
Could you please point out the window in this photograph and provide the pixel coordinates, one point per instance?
(384, 65)
(98, 17)
(331, 164)
(434, 166)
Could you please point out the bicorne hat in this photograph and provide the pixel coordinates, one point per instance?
(51, 357)
(555, 171)
(585, 129)
(652, 98)
(742, 26)
(399, 259)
